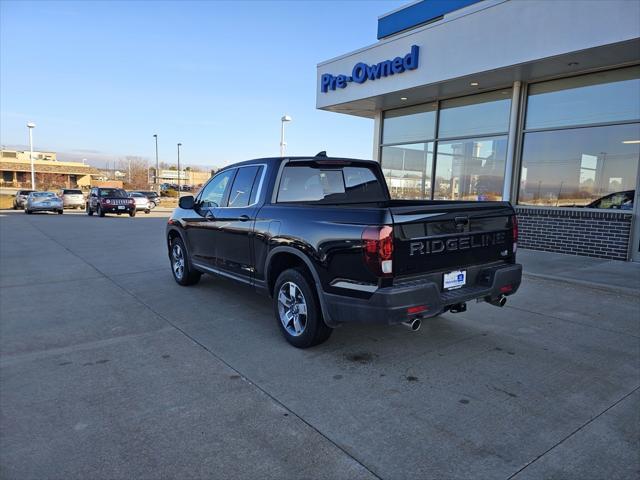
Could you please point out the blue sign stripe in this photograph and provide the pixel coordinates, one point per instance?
(418, 14)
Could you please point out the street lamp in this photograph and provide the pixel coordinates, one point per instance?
(31, 126)
(155, 181)
(283, 144)
(179, 145)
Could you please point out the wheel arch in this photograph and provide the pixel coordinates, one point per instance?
(282, 258)
(172, 233)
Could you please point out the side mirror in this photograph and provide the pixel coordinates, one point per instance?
(187, 202)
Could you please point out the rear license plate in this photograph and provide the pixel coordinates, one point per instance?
(455, 279)
(120, 207)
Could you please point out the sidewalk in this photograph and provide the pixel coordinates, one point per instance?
(622, 277)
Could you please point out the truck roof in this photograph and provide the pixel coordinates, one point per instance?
(278, 160)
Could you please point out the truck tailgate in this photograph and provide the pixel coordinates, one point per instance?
(445, 236)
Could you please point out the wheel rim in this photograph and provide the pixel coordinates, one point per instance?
(292, 308)
(178, 261)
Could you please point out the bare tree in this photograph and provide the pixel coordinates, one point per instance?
(136, 170)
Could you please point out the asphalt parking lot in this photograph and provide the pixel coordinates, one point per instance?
(111, 370)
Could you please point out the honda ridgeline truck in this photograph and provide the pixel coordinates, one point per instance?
(322, 237)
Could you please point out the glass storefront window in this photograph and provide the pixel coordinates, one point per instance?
(471, 169)
(577, 167)
(407, 169)
(602, 97)
(409, 124)
(481, 114)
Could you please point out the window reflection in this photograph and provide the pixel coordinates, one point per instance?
(407, 169)
(576, 167)
(596, 98)
(471, 169)
(409, 124)
(481, 114)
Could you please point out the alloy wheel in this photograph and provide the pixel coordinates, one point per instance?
(178, 261)
(292, 309)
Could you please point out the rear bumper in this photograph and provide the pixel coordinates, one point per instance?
(73, 203)
(42, 208)
(389, 305)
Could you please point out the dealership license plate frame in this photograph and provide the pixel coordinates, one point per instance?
(454, 279)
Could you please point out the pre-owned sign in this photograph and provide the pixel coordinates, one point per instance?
(362, 72)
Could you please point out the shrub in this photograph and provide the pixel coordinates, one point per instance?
(169, 193)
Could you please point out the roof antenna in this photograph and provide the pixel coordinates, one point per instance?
(323, 153)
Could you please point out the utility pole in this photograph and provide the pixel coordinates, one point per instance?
(155, 180)
(31, 126)
(179, 187)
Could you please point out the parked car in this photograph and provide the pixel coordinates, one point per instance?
(142, 202)
(109, 200)
(154, 198)
(322, 237)
(616, 201)
(21, 198)
(72, 198)
(43, 202)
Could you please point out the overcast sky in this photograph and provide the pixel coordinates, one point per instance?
(100, 78)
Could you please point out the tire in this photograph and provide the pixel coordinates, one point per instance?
(15, 207)
(99, 211)
(89, 211)
(60, 212)
(302, 330)
(147, 211)
(183, 273)
(132, 213)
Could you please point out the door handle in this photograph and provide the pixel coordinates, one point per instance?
(243, 218)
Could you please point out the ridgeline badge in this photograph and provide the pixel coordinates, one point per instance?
(362, 72)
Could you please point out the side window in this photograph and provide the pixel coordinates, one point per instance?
(213, 194)
(241, 189)
(256, 186)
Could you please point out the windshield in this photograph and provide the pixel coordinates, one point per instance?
(24, 192)
(43, 194)
(72, 192)
(113, 192)
(137, 195)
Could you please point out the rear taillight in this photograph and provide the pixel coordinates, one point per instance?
(378, 250)
(514, 232)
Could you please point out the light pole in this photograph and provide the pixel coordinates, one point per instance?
(31, 126)
(155, 180)
(179, 188)
(283, 144)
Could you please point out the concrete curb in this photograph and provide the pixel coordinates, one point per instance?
(634, 292)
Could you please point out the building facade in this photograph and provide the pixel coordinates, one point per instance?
(15, 171)
(534, 102)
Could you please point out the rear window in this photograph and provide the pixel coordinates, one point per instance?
(329, 185)
(71, 192)
(25, 192)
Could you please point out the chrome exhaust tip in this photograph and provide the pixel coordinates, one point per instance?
(501, 301)
(413, 325)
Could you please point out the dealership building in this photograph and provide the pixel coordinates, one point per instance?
(532, 101)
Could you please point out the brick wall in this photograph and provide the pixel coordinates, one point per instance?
(575, 231)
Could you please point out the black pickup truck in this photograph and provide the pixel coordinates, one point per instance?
(322, 237)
